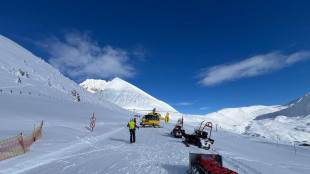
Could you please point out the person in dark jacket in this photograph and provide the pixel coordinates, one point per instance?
(132, 129)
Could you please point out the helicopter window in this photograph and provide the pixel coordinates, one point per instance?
(148, 117)
(151, 117)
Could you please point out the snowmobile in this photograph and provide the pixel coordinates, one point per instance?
(207, 164)
(200, 137)
(178, 130)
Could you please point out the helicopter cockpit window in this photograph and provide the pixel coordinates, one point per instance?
(151, 117)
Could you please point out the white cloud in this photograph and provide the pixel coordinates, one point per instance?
(184, 104)
(204, 108)
(79, 56)
(253, 66)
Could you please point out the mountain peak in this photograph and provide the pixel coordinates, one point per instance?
(124, 94)
(118, 79)
(295, 108)
(94, 85)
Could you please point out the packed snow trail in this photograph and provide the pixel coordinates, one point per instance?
(155, 151)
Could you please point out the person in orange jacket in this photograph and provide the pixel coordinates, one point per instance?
(132, 129)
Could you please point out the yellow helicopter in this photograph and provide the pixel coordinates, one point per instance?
(153, 118)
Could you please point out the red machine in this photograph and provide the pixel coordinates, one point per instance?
(200, 137)
(208, 164)
(178, 130)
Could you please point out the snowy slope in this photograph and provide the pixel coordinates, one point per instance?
(37, 77)
(288, 125)
(237, 119)
(42, 78)
(297, 108)
(125, 95)
(242, 121)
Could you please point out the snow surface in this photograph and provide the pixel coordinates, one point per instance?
(68, 146)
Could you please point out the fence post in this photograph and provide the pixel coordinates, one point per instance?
(39, 133)
(34, 132)
(22, 142)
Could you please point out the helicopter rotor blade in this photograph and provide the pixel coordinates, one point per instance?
(153, 110)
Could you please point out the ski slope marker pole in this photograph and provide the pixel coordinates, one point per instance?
(92, 122)
(34, 132)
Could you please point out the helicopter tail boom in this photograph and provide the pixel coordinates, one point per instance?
(166, 118)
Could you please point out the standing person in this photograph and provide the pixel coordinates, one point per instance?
(132, 129)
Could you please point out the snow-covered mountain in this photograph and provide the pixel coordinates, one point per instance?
(23, 73)
(277, 128)
(94, 85)
(297, 108)
(237, 119)
(125, 95)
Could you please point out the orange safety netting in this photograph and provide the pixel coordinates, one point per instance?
(18, 145)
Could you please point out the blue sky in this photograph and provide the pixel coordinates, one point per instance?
(198, 56)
